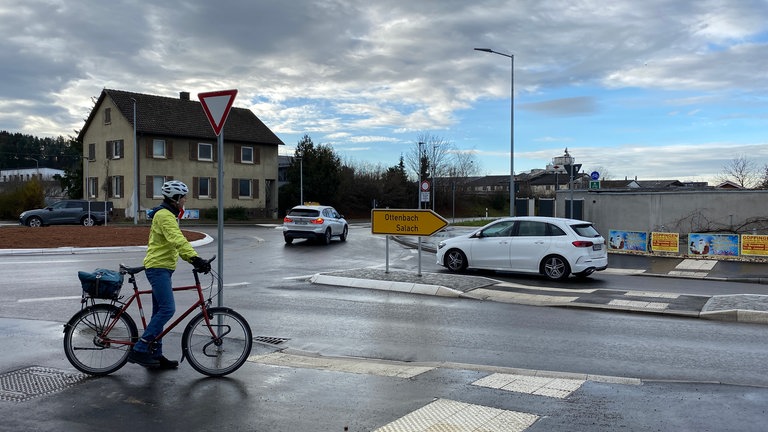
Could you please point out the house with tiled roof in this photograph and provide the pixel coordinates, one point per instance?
(174, 140)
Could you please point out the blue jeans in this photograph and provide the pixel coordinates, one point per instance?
(163, 308)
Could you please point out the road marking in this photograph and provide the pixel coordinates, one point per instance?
(696, 264)
(639, 304)
(40, 299)
(450, 415)
(356, 366)
(541, 386)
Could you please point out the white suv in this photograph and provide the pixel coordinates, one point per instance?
(554, 247)
(314, 222)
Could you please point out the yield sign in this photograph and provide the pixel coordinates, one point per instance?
(216, 106)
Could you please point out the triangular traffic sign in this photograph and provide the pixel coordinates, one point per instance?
(216, 106)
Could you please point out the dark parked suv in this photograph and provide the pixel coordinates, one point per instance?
(67, 212)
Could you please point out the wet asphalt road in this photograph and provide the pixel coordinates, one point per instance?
(266, 397)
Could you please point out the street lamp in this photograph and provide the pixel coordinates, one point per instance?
(37, 166)
(511, 127)
(418, 176)
(136, 205)
(300, 157)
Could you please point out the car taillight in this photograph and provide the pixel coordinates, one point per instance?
(287, 220)
(582, 243)
(318, 221)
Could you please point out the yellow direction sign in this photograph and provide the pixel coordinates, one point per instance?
(406, 222)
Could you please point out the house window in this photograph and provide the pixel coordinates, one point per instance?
(244, 188)
(157, 186)
(204, 187)
(93, 187)
(204, 152)
(115, 149)
(246, 155)
(117, 187)
(107, 116)
(158, 149)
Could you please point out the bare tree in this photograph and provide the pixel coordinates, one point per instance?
(742, 171)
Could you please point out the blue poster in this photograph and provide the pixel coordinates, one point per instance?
(628, 240)
(713, 244)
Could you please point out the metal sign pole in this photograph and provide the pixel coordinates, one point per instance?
(220, 231)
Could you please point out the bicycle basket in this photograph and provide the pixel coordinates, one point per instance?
(101, 283)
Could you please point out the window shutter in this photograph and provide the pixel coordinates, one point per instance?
(255, 188)
(122, 186)
(95, 187)
(212, 187)
(109, 149)
(257, 155)
(215, 152)
(238, 153)
(120, 149)
(235, 188)
(195, 187)
(192, 151)
(109, 186)
(150, 185)
(149, 144)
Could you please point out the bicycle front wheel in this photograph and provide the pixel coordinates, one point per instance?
(217, 346)
(95, 342)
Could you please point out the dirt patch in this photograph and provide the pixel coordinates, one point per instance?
(21, 237)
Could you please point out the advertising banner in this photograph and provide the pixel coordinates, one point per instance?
(713, 244)
(665, 242)
(628, 240)
(754, 245)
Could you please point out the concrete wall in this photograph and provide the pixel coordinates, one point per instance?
(740, 211)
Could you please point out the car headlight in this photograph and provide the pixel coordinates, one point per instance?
(441, 245)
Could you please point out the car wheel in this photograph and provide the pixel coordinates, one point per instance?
(327, 237)
(344, 232)
(555, 267)
(88, 221)
(455, 260)
(35, 222)
(288, 240)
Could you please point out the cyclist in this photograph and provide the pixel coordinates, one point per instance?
(166, 244)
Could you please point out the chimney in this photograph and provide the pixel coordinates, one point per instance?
(184, 96)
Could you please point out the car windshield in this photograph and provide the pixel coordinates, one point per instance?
(304, 212)
(585, 230)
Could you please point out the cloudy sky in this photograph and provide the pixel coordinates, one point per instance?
(654, 89)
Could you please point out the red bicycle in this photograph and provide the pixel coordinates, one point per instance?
(216, 342)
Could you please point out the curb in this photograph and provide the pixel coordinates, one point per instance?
(404, 287)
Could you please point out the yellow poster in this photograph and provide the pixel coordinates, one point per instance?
(665, 242)
(752, 244)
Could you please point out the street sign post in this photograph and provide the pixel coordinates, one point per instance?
(406, 222)
(216, 106)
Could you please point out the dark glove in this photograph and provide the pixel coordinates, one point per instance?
(200, 264)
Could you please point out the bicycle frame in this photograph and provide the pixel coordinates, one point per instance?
(200, 303)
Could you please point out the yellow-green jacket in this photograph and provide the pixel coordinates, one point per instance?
(166, 242)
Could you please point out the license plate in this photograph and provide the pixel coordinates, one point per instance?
(300, 222)
(597, 247)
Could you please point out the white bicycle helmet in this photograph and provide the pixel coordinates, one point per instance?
(172, 189)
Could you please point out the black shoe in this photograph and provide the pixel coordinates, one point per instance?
(143, 358)
(166, 364)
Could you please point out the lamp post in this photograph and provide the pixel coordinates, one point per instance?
(418, 177)
(37, 166)
(300, 157)
(511, 127)
(88, 186)
(136, 205)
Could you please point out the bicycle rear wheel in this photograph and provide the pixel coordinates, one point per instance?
(87, 346)
(220, 348)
